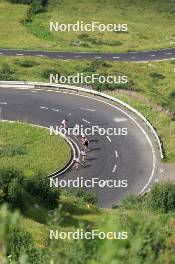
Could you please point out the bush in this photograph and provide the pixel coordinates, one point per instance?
(20, 1)
(46, 73)
(110, 86)
(162, 197)
(11, 182)
(6, 73)
(88, 197)
(157, 76)
(11, 151)
(40, 188)
(132, 201)
(7, 176)
(36, 7)
(16, 194)
(27, 63)
(20, 244)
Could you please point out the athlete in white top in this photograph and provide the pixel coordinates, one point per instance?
(64, 124)
(83, 154)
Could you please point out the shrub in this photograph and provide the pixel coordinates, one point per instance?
(21, 243)
(46, 73)
(110, 86)
(6, 73)
(15, 194)
(132, 201)
(27, 63)
(7, 175)
(21, 1)
(157, 76)
(88, 197)
(39, 187)
(11, 182)
(11, 151)
(162, 197)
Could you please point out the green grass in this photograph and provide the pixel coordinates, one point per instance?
(147, 240)
(31, 149)
(150, 24)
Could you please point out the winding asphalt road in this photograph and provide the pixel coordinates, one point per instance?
(134, 56)
(130, 157)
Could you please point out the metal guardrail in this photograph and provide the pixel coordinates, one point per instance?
(30, 85)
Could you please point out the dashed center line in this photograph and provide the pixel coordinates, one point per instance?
(120, 119)
(86, 121)
(56, 110)
(44, 107)
(114, 169)
(108, 138)
(3, 103)
(88, 109)
(116, 153)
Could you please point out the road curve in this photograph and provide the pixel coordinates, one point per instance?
(133, 56)
(128, 157)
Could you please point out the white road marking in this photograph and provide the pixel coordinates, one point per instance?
(44, 107)
(141, 128)
(116, 153)
(40, 55)
(169, 53)
(97, 57)
(77, 56)
(152, 55)
(69, 114)
(19, 54)
(88, 109)
(116, 57)
(120, 119)
(114, 169)
(3, 103)
(60, 56)
(56, 110)
(108, 138)
(86, 121)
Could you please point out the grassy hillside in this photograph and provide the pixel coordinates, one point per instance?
(150, 88)
(148, 241)
(150, 24)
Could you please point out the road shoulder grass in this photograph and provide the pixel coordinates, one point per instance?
(31, 149)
